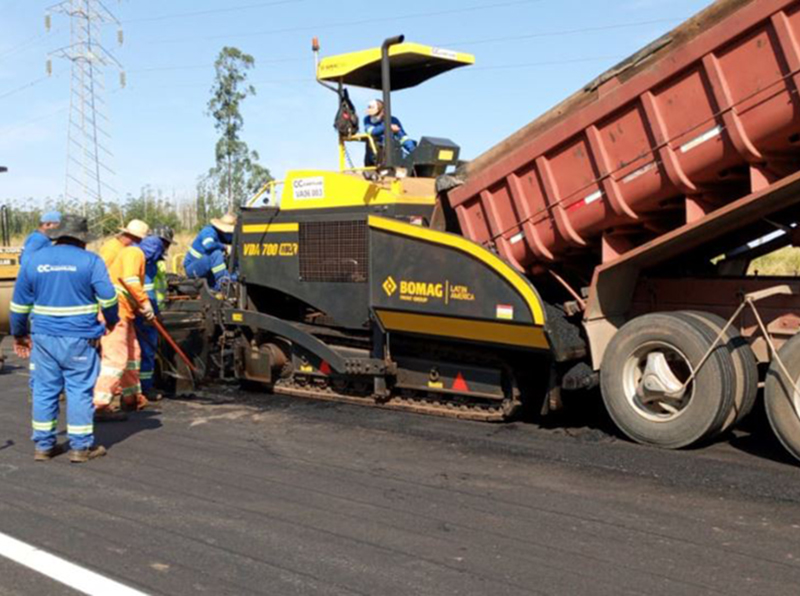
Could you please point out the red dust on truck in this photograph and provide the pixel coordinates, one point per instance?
(636, 207)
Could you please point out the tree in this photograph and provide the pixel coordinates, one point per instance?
(237, 173)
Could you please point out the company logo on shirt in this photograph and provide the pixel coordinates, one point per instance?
(56, 268)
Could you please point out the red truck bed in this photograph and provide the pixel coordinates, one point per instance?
(704, 116)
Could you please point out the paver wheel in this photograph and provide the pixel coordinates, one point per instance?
(642, 374)
(781, 401)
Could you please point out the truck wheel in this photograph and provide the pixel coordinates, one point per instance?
(744, 364)
(781, 401)
(643, 369)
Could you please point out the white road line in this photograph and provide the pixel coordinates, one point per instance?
(62, 571)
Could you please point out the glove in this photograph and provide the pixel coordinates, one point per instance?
(148, 313)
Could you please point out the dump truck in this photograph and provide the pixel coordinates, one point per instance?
(637, 206)
(607, 243)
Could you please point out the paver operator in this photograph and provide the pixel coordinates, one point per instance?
(155, 249)
(374, 126)
(206, 257)
(119, 374)
(64, 287)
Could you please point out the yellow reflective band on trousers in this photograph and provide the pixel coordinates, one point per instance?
(135, 390)
(146, 376)
(218, 268)
(80, 430)
(45, 426)
(149, 287)
(195, 254)
(66, 311)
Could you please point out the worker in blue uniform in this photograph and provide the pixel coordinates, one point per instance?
(38, 239)
(64, 287)
(206, 257)
(375, 127)
(155, 248)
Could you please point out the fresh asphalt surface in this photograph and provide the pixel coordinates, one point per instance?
(237, 493)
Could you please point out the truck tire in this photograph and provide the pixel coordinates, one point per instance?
(648, 415)
(781, 401)
(744, 364)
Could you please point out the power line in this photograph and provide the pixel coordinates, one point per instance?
(351, 23)
(595, 29)
(210, 11)
(24, 87)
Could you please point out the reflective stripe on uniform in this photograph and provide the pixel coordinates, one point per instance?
(135, 390)
(45, 426)
(403, 139)
(21, 309)
(31, 366)
(149, 287)
(195, 253)
(218, 268)
(104, 397)
(133, 280)
(107, 303)
(108, 371)
(369, 129)
(208, 241)
(146, 376)
(134, 365)
(80, 430)
(66, 311)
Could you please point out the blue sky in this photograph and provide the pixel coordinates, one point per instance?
(529, 56)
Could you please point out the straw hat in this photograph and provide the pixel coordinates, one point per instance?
(136, 228)
(225, 224)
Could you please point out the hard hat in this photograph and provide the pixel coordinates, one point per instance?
(375, 107)
(136, 228)
(165, 233)
(225, 224)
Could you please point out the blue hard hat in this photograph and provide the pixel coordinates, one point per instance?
(51, 217)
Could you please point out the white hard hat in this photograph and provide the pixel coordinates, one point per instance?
(374, 108)
(136, 228)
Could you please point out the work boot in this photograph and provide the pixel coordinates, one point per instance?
(48, 454)
(109, 415)
(134, 403)
(81, 456)
(154, 395)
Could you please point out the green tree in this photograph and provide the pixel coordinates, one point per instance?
(237, 173)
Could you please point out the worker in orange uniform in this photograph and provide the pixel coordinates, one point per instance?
(119, 371)
(131, 235)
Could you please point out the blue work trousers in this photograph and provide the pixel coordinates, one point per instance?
(64, 363)
(211, 267)
(147, 336)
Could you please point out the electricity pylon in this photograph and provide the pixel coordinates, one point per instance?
(87, 135)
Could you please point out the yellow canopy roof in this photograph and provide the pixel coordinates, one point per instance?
(412, 64)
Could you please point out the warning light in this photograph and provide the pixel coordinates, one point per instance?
(325, 368)
(460, 384)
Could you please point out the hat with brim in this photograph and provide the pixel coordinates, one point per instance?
(225, 224)
(72, 226)
(136, 228)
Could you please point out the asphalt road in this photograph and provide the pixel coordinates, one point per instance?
(242, 494)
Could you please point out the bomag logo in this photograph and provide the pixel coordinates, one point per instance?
(422, 289)
(390, 286)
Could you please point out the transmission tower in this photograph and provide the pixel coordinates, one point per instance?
(87, 135)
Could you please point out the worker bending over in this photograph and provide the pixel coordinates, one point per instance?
(155, 248)
(374, 126)
(119, 375)
(64, 287)
(206, 257)
(39, 239)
